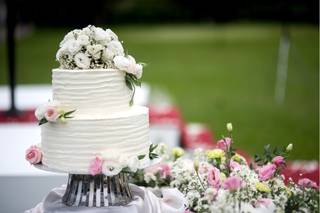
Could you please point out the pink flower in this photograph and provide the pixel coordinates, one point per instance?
(214, 177)
(96, 166)
(224, 143)
(165, 170)
(234, 165)
(263, 202)
(267, 171)
(187, 211)
(233, 183)
(51, 114)
(278, 160)
(204, 167)
(34, 155)
(307, 183)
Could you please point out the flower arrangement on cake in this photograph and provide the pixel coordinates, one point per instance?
(221, 180)
(95, 48)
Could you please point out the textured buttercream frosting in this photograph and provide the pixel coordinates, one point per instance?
(72, 145)
(96, 92)
(103, 121)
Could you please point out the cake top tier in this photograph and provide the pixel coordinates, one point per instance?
(98, 92)
(93, 48)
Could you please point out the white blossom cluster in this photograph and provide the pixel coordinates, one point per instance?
(95, 48)
(189, 174)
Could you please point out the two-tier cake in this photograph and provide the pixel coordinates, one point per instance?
(90, 126)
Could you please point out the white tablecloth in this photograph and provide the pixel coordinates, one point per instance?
(145, 201)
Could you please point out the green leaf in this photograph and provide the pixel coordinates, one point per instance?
(68, 113)
(152, 147)
(43, 121)
(129, 82)
(140, 157)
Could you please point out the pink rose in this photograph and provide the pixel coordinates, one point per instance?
(307, 183)
(278, 160)
(263, 202)
(233, 183)
(234, 165)
(267, 171)
(214, 177)
(224, 143)
(33, 155)
(165, 170)
(96, 166)
(51, 114)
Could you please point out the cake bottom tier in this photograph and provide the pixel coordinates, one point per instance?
(71, 146)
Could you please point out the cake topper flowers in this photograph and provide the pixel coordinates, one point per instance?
(109, 163)
(95, 48)
(51, 112)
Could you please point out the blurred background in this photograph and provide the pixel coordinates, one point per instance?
(252, 63)
(216, 59)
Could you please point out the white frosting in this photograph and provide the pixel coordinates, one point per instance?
(72, 145)
(91, 92)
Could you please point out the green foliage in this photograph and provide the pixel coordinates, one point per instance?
(269, 154)
(152, 154)
(306, 200)
(131, 82)
(42, 121)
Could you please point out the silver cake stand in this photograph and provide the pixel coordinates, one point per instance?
(98, 190)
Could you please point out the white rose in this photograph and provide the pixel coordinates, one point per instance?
(83, 40)
(112, 35)
(111, 168)
(139, 70)
(95, 51)
(82, 61)
(121, 62)
(88, 30)
(72, 46)
(101, 36)
(69, 36)
(134, 68)
(115, 48)
(132, 163)
(111, 162)
(128, 64)
(59, 54)
(106, 55)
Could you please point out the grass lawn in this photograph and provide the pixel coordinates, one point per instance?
(216, 74)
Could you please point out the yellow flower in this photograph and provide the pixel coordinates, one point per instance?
(177, 152)
(262, 187)
(215, 153)
(238, 158)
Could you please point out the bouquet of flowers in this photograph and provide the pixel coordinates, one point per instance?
(95, 48)
(221, 180)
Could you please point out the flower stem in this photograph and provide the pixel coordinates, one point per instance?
(200, 180)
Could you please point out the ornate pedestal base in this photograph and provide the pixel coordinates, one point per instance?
(97, 191)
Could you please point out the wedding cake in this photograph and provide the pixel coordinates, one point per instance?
(91, 125)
